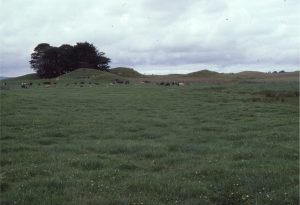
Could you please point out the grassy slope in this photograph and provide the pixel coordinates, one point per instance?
(85, 75)
(125, 72)
(201, 144)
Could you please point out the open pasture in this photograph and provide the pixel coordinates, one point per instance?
(232, 143)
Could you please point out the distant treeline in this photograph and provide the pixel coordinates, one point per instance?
(49, 61)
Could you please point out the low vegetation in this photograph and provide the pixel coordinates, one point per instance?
(202, 143)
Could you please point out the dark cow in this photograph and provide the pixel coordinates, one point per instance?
(117, 81)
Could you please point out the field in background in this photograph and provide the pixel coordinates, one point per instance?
(211, 142)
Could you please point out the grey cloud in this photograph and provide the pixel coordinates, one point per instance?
(148, 34)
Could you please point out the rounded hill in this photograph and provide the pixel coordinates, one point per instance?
(125, 72)
(89, 74)
(78, 75)
(202, 73)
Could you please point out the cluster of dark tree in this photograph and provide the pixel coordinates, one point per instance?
(49, 61)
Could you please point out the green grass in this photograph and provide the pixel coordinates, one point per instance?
(198, 144)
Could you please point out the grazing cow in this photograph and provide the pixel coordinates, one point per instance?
(167, 84)
(180, 84)
(162, 83)
(126, 82)
(4, 86)
(117, 81)
(24, 85)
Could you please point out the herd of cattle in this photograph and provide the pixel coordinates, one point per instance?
(117, 81)
(171, 83)
(48, 84)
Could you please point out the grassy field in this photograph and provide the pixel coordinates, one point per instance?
(225, 144)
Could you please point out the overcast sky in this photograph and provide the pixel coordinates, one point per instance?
(157, 36)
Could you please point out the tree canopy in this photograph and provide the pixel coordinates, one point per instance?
(49, 61)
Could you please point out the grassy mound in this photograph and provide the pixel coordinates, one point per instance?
(203, 73)
(125, 72)
(79, 75)
(86, 74)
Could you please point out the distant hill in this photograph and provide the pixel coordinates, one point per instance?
(32, 76)
(125, 72)
(27, 77)
(202, 73)
(3, 77)
(250, 73)
(89, 76)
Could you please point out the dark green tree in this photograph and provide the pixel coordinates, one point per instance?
(67, 58)
(37, 58)
(87, 55)
(53, 63)
(50, 61)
